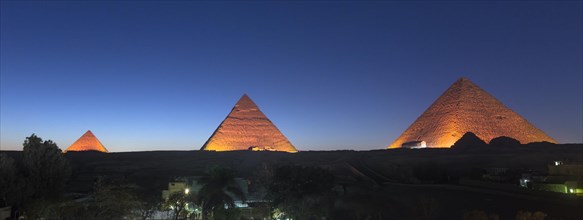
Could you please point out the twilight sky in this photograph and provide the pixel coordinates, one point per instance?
(330, 75)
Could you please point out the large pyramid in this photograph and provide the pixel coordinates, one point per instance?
(87, 142)
(465, 107)
(245, 128)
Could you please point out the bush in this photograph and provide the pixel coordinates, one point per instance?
(480, 215)
(526, 215)
(302, 192)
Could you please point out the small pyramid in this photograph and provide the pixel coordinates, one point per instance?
(247, 128)
(87, 142)
(465, 107)
(469, 140)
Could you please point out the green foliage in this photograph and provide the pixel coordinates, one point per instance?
(219, 188)
(226, 214)
(53, 209)
(526, 215)
(109, 200)
(179, 202)
(480, 215)
(113, 200)
(361, 205)
(261, 180)
(302, 192)
(149, 202)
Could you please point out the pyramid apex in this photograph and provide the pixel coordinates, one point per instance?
(465, 83)
(244, 96)
(463, 79)
(245, 103)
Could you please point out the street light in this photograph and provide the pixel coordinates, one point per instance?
(186, 191)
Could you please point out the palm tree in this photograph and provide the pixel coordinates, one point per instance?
(219, 189)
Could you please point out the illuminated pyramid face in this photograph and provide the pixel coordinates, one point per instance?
(247, 128)
(87, 142)
(465, 107)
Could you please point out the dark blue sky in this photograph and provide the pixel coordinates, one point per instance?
(330, 75)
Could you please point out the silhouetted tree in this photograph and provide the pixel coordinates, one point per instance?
(178, 203)
(360, 206)
(302, 192)
(41, 178)
(262, 179)
(226, 214)
(44, 167)
(526, 215)
(110, 199)
(219, 190)
(10, 181)
(480, 215)
(113, 200)
(149, 203)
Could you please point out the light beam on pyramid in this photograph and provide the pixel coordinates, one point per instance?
(465, 107)
(247, 128)
(87, 142)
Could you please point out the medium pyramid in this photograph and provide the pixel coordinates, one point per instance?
(465, 107)
(87, 142)
(245, 128)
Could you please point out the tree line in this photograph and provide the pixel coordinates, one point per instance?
(34, 186)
